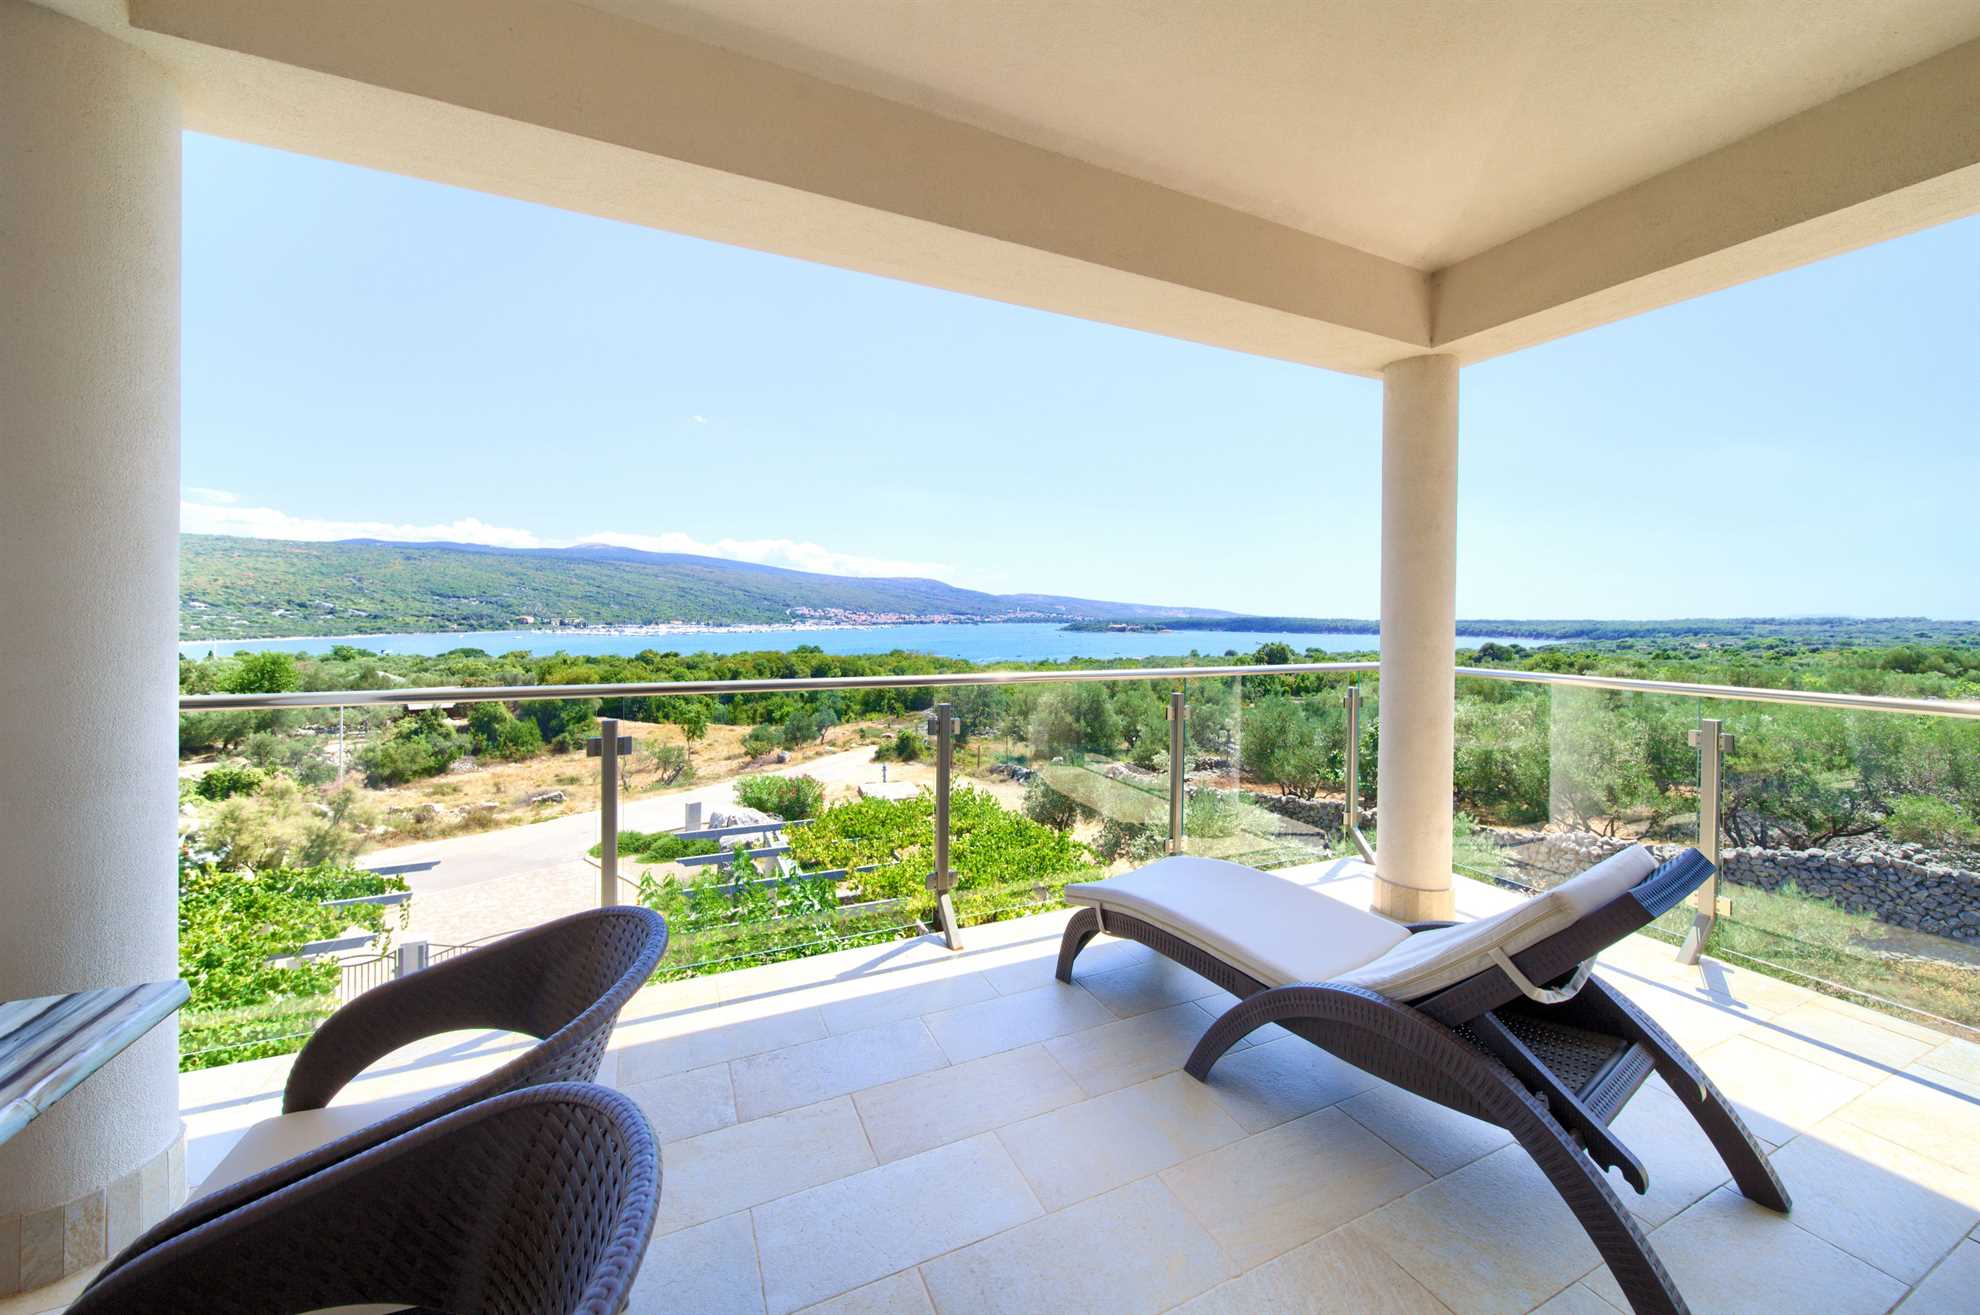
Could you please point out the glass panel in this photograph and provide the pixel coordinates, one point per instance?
(1055, 783)
(1265, 778)
(1852, 856)
(1551, 779)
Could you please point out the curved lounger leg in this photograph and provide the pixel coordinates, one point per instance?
(1240, 1021)
(1714, 1113)
(1397, 1043)
(1085, 925)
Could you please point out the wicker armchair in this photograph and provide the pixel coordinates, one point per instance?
(537, 1202)
(563, 982)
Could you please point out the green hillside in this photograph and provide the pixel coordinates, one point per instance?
(231, 588)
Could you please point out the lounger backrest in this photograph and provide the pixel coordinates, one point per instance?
(1430, 961)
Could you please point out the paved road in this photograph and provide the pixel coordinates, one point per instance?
(437, 865)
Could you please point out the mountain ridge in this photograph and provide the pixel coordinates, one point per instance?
(241, 588)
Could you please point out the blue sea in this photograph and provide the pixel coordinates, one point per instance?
(995, 641)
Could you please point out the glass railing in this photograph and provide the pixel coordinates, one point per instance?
(772, 820)
(1267, 777)
(1848, 857)
(1549, 780)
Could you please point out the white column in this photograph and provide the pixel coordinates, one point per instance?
(89, 478)
(1419, 637)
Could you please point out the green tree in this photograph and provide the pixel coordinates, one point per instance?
(264, 673)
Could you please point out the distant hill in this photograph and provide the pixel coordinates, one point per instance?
(233, 588)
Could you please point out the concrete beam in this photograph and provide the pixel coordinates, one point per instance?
(560, 103)
(1898, 155)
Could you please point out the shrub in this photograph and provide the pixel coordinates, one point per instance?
(225, 782)
(231, 923)
(908, 746)
(1049, 807)
(298, 755)
(282, 825)
(424, 744)
(761, 739)
(670, 764)
(498, 733)
(658, 846)
(792, 798)
(563, 724)
(1926, 820)
(1213, 814)
(1128, 842)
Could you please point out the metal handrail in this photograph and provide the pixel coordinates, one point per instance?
(955, 679)
(1739, 693)
(765, 685)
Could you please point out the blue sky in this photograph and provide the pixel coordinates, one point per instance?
(367, 354)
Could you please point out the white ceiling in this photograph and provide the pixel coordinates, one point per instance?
(1422, 131)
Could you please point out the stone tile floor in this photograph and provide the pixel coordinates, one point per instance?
(905, 1129)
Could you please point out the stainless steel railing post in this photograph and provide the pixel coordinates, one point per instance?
(1351, 775)
(606, 746)
(1712, 744)
(1178, 768)
(942, 725)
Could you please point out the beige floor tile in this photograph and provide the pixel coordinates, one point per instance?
(1017, 969)
(1438, 1139)
(1745, 989)
(1332, 1275)
(1842, 1044)
(1695, 1019)
(1779, 1095)
(1894, 1208)
(1085, 1149)
(897, 1294)
(1731, 1257)
(719, 1173)
(832, 1066)
(1895, 1022)
(686, 1104)
(948, 1104)
(1577, 1300)
(1116, 1055)
(1132, 1250)
(1927, 1111)
(709, 1269)
(1147, 984)
(1010, 1021)
(1262, 1086)
(1494, 1238)
(1274, 1191)
(909, 999)
(1949, 1289)
(715, 1035)
(841, 974)
(1678, 1156)
(841, 1235)
(1955, 1058)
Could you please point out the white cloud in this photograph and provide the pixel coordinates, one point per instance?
(699, 420)
(269, 523)
(214, 497)
(204, 517)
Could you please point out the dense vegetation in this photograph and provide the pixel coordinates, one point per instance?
(1800, 629)
(234, 588)
(232, 921)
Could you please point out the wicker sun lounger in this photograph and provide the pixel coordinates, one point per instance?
(538, 1202)
(563, 982)
(1499, 1018)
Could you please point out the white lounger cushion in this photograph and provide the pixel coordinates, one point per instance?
(1281, 933)
(1432, 960)
(286, 1136)
(1262, 925)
